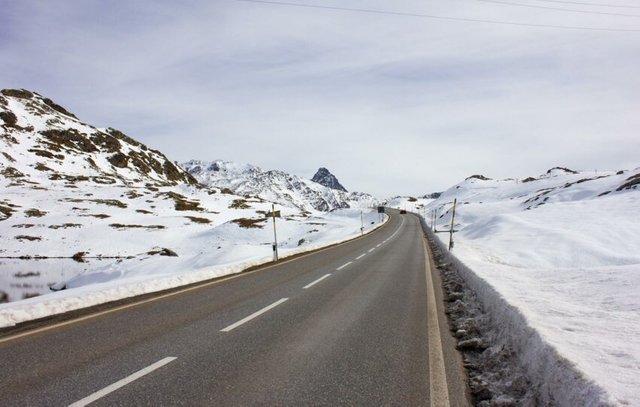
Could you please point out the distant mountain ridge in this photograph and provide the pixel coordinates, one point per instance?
(324, 177)
(276, 186)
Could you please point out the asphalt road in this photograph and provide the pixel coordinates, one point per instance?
(357, 324)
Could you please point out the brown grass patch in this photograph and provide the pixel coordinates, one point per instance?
(122, 226)
(144, 211)
(11, 172)
(8, 157)
(30, 238)
(196, 219)
(131, 194)
(182, 203)
(6, 211)
(249, 223)
(65, 226)
(239, 204)
(97, 215)
(109, 202)
(34, 213)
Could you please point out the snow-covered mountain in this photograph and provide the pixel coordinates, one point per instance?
(275, 186)
(43, 142)
(563, 249)
(96, 206)
(324, 177)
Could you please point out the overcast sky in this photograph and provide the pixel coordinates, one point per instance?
(390, 103)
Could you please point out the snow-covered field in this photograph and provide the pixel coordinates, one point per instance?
(206, 252)
(564, 250)
(101, 217)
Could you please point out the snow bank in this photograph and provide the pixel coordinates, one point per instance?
(553, 379)
(132, 277)
(555, 259)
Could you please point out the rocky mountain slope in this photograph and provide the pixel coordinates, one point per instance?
(276, 186)
(43, 142)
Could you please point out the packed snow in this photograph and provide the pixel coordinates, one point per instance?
(207, 253)
(563, 249)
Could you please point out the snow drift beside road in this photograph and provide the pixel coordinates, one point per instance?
(563, 249)
(131, 277)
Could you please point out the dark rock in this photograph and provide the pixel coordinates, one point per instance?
(168, 252)
(473, 344)
(79, 257)
(570, 171)
(324, 177)
(480, 177)
(633, 181)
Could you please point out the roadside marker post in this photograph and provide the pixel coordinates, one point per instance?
(275, 235)
(453, 216)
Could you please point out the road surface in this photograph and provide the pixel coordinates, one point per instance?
(356, 324)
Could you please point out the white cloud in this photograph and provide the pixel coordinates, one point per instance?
(391, 104)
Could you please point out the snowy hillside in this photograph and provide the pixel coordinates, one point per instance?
(564, 249)
(107, 217)
(409, 203)
(276, 186)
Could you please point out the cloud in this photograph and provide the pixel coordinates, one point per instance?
(390, 104)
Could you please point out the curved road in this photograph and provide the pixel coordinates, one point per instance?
(356, 324)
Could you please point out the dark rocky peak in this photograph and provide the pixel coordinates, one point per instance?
(325, 177)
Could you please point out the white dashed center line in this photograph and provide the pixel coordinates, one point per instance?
(254, 315)
(361, 256)
(317, 281)
(115, 386)
(343, 266)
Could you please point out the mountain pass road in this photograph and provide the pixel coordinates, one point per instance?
(359, 323)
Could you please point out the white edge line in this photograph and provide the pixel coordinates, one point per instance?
(121, 383)
(438, 386)
(361, 256)
(254, 315)
(317, 281)
(343, 266)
